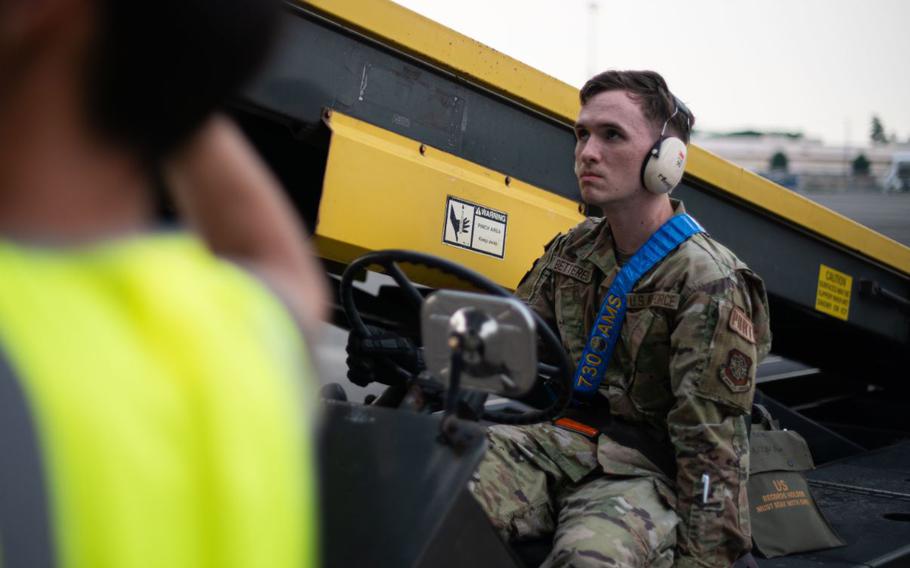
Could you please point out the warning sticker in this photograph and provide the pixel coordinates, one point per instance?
(833, 294)
(475, 227)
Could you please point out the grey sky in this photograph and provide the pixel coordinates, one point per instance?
(820, 66)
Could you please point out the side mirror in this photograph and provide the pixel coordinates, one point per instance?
(496, 339)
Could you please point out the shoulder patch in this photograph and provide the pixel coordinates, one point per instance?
(742, 325)
(737, 371)
(572, 270)
(669, 300)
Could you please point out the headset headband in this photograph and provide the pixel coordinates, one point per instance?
(678, 106)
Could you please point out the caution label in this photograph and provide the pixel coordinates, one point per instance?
(833, 294)
(475, 227)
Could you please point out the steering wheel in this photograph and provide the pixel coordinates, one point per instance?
(389, 260)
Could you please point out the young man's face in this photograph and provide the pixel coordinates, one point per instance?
(612, 139)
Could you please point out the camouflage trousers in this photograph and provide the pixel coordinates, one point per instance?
(540, 480)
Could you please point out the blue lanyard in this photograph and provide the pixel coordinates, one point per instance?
(605, 331)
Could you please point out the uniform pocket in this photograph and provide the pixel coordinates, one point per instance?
(634, 333)
(621, 368)
(573, 299)
(648, 344)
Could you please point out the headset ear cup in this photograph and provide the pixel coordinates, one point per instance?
(662, 172)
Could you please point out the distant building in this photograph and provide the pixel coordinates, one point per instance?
(811, 165)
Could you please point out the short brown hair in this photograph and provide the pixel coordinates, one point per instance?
(650, 90)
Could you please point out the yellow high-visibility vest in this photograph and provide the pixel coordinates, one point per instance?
(171, 406)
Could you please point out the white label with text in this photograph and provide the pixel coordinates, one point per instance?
(475, 227)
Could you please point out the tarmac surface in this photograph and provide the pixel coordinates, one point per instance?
(886, 213)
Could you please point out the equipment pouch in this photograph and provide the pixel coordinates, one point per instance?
(785, 518)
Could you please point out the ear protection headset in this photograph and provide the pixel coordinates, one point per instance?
(665, 162)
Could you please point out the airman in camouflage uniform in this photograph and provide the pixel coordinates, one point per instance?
(683, 372)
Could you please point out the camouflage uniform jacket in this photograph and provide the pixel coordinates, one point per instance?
(684, 369)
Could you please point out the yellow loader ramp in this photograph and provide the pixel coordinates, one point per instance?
(390, 129)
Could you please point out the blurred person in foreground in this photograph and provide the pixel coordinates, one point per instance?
(154, 404)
